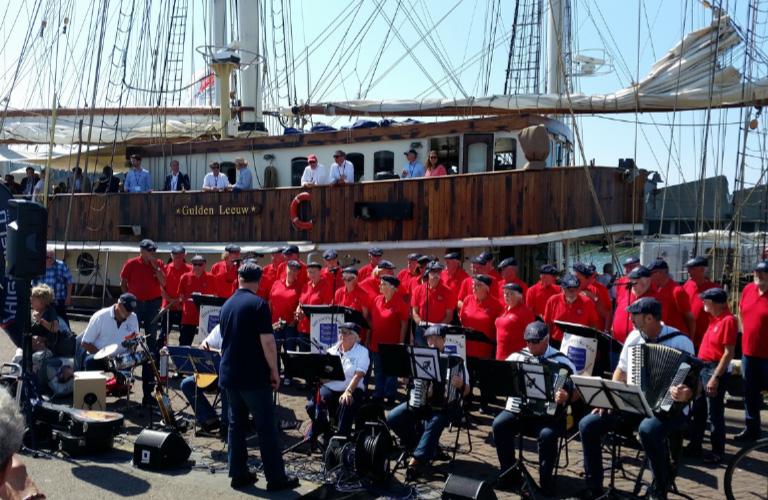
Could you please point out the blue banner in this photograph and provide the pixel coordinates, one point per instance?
(8, 298)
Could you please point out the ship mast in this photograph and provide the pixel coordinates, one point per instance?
(555, 37)
(249, 18)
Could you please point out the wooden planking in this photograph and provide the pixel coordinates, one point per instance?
(463, 206)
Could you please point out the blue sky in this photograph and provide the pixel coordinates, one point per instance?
(344, 40)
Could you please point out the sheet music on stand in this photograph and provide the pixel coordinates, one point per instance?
(426, 363)
(535, 380)
(611, 395)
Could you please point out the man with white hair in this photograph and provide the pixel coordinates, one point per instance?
(14, 481)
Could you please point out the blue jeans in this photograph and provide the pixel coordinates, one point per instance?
(712, 407)
(329, 405)
(755, 373)
(259, 403)
(506, 427)
(200, 404)
(418, 431)
(145, 311)
(653, 432)
(384, 386)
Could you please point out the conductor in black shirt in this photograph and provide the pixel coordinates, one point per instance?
(249, 374)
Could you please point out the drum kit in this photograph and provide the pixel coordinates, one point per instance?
(121, 365)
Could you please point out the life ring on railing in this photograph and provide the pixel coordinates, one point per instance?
(301, 225)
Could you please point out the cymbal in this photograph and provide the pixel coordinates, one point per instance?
(106, 351)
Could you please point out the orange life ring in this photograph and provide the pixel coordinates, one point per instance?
(301, 225)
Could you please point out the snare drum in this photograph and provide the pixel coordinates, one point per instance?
(128, 360)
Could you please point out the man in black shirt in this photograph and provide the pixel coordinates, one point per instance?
(249, 374)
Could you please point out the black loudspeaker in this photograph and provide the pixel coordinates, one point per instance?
(25, 254)
(160, 450)
(462, 488)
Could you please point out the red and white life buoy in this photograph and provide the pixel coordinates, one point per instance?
(301, 225)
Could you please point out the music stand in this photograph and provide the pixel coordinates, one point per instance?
(207, 300)
(348, 313)
(200, 363)
(395, 360)
(315, 368)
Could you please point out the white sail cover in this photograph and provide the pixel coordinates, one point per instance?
(682, 79)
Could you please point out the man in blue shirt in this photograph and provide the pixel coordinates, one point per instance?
(413, 168)
(59, 278)
(137, 179)
(249, 373)
(244, 178)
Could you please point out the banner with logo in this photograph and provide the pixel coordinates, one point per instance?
(8, 298)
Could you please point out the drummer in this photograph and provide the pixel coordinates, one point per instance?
(107, 327)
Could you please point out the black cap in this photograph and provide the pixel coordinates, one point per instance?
(414, 256)
(514, 287)
(391, 280)
(631, 261)
(435, 266)
(385, 264)
(349, 325)
(582, 268)
(509, 261)
(697, 262)
(177, 249)
(439, 329)
(548, 269)
(640, 272)
(249, 271)
(488, 256)
(294, 264)
(411, 151)
(376, 252)
(478, 259)
(659, 265)
(138, 157)
(349, 270)
(330, 254)
(129, 301)
(645, 305)
(483, 278)
(232, 248)
(536, 331)
(197, 258)
(148, 245)
(316, 265)
(569, 281)
(762, 266)
(290, 249)
(452, 256)
(424, 259)
(716, 295)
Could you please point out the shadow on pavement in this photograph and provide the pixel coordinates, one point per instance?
(111, 479)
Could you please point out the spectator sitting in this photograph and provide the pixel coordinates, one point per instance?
(413, 168)
(433, 166)
(137, 179)
(176, 180)
(107, 182)
(244, 177)
(78, 183)
(13, 186)
(214, 180)
(315, 174)
(342, 171)
(14, 480)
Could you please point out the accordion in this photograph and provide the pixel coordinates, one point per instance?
(655, 369)
(555, 377)
(439, 395)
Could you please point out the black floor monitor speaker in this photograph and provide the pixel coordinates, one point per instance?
(160, 450)
(463, 488)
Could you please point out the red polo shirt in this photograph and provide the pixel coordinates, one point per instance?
(433, 304)
(364, 272)
(502, 282)
(581, 311)
(537, 296)
(722, 331)
(357, 299)
(697, 307)
(301, 277)
(283, 300)
(674, 305)
(371, 286)
(313, 295)
(386, 321)
(466, 288)
(188, 285)
(173, 276)
(754, 322)
(140, 278)
(622, 320)
(480, 316)
(268, 278)
(408, 281)
(225, 274)
(603, 300)
(333, 279)
(509, 330)
(454, 280)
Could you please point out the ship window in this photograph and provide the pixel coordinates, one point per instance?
(358, 161)
(298, 165)
(505, 154)
(477, 154)
(383, 161)
(447, 152)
